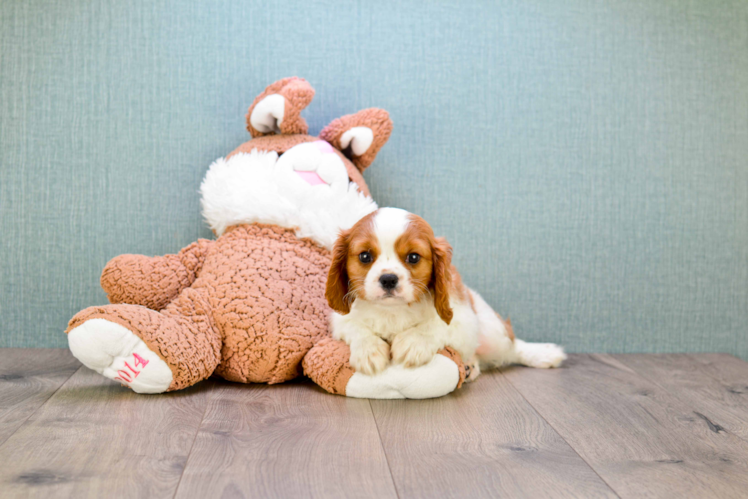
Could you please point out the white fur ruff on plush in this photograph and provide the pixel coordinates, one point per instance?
(256, 188)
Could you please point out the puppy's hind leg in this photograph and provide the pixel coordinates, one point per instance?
(499, 347)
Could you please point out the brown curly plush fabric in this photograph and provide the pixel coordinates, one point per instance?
(229, 320)
(328, 365)
(152, 282)
(267, 287)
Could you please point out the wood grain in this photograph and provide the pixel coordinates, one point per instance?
(642, 440)
(726, 368)
(634, 425)
(288, 440)
(94, 438)
(481, 441)
(717, 392)
(28, 378)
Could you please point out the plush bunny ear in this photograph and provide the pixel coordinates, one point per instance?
(278, 109)
(359, 136)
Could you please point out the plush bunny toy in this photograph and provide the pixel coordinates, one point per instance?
(250, 306)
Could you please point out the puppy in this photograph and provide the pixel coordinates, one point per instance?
(397, 296)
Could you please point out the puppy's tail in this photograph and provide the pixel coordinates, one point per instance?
(538, 355)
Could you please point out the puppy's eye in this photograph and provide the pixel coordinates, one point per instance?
(413, 258)
(365, 257)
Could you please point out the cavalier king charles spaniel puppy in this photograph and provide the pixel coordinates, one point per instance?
(397, 296)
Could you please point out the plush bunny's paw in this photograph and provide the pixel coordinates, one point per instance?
(370, 355)
(117, 353)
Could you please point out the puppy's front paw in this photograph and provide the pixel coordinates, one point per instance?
(413, 350)
(370, 356)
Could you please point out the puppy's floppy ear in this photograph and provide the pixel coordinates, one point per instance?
(277, 110)
(337, 278)
(359, 136)
(441, 277)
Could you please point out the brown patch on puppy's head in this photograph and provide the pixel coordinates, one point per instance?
(431, 273)
(347, 273)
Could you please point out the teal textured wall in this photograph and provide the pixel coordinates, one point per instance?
(588, 160)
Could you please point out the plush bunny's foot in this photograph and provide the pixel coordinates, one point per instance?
(436, 378)
(149, 351)
(117, 353)
(328, 365)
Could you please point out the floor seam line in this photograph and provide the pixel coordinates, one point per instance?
(559, 434)
(39, 407)
(194, 439)
(384, 450)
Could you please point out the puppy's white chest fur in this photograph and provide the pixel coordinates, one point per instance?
(387, 321)
(414, 327)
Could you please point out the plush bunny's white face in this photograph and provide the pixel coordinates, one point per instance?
(305, 189)
(314, 162)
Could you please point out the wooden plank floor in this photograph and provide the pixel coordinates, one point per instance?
(670, 425)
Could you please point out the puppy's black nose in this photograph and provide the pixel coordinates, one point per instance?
(388, 281)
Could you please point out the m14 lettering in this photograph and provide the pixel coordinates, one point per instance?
(128, 376)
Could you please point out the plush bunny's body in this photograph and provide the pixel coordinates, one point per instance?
(250, 305)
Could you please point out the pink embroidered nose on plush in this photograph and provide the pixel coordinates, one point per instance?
(312, 178)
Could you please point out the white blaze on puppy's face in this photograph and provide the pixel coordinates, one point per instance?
(388, 278)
